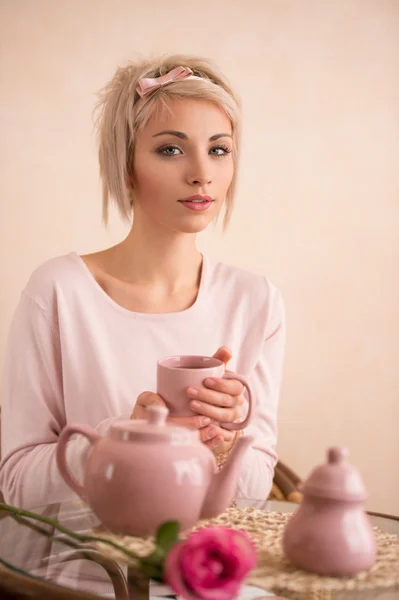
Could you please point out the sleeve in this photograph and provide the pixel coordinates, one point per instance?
(33, 413)
(257, 471)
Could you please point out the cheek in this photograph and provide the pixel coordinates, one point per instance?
(148, 179)
(228, 175)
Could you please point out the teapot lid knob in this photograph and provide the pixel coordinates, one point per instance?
(157, 415)
(337, 455)
(337, 479)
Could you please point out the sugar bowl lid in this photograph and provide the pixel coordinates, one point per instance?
(153, 429)
(337, 479)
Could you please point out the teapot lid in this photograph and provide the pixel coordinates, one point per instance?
(337, 479)
(154, 428)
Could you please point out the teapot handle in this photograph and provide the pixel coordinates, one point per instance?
(245, 422)
(93, 437)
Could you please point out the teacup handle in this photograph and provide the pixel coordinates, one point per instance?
(245, 422)
(93, 437)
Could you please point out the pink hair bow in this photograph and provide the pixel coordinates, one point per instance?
(148, 84)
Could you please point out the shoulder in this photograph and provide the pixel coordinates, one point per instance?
(245, 285)
(51, 277)
(249, 300)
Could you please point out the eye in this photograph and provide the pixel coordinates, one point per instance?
(169, 151)
(220, 150)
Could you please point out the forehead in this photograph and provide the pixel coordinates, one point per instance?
(196, 118)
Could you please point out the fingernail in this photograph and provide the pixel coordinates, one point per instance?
(195, 404)
(192, 392)
(205, 421)
(211, 433)
(210, 382)
(216, 443)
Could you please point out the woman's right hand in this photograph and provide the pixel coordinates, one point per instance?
(195, 422)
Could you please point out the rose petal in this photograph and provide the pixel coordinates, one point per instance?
(172, 574)
(208, 568)
(194, 565)
(214, 535)
(211, 564)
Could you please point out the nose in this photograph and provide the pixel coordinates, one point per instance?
(199, 174)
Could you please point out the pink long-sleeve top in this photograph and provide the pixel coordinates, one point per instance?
(76, 356)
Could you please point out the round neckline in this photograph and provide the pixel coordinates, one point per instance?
(142, 315)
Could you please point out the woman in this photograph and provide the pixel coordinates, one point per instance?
(89, 330)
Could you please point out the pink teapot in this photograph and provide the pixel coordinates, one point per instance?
(143, 473)
(330, 534)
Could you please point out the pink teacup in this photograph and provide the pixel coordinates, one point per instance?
(176, 373)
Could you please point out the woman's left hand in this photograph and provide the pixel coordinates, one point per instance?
(221, 401)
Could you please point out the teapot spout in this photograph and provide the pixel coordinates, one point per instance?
(223, 485)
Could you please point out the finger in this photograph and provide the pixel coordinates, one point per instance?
(215, 443)
(226, 386)
(213, 431)
(149, 398)
(224, 415)
(194, 422)
(224, 354)
(238, 415)
(208, 433)
(210, 396)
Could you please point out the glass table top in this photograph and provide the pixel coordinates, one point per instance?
(28, 551)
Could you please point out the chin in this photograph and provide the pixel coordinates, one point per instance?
(196, 225)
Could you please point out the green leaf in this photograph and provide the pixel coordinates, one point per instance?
(155, 558)
(167, 535)
(151, 571)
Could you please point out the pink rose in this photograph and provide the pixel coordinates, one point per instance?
(210, 565)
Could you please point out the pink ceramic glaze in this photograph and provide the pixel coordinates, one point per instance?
(176, 373)
(330, 534)
(146, 472)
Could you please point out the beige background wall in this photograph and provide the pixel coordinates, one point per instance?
(318, 207)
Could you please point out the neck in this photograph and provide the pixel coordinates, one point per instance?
(151, 253)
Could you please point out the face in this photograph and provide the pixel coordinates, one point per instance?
(183, 166)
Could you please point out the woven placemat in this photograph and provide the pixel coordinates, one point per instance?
(274, 572)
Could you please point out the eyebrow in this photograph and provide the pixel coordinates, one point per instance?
(183, 136)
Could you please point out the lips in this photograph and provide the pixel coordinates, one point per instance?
(197, 198)
(197, 202)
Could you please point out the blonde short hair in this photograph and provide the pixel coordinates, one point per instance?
(118, 120)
